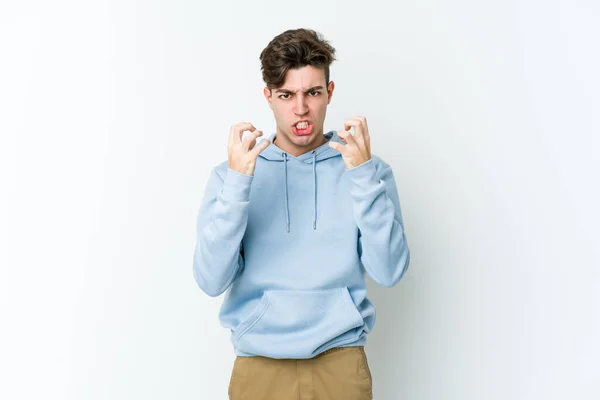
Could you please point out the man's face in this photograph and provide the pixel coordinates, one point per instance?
(302, 97)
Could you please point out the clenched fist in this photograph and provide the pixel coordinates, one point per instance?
(242, 154)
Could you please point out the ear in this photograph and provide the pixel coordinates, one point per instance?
(330, 88)
(267, 93)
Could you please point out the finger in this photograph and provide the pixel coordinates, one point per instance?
(364, 126)
(260, 147)
(347, 137)
(250, 140)
(352, 123)
(362, 120)
(359, 124)
(254, 139)
(338, 147)
(238, 129)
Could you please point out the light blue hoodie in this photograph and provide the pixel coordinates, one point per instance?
(292, 244)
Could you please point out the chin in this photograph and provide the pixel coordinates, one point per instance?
(304, 140)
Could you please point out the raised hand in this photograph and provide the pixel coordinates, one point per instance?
(357, 149)
(242, 154)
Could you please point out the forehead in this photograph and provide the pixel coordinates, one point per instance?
(304, 78)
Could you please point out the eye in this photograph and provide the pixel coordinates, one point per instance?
(315, 93)
(281, 96)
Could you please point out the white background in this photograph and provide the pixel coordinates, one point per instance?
(112, 114)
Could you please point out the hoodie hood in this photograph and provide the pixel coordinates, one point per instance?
(275, 154)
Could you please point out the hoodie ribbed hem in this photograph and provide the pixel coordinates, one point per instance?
(361, 341)
(236, 186)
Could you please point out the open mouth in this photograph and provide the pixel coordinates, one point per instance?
(302, 128)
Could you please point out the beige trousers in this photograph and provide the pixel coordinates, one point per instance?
(340, 373)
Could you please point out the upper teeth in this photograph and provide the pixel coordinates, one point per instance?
(302, 125)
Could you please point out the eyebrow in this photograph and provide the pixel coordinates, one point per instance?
(306, 91)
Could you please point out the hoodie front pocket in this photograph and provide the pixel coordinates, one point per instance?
(297, 323)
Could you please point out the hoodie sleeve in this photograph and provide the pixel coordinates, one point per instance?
(221, 224)
(382, 244)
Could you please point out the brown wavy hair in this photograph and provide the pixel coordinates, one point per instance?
(293, 49)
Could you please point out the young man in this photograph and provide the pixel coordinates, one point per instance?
(290, 226)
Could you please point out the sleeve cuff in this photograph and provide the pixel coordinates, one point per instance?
(236, 186)
(364, 174)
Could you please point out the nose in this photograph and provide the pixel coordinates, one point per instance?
(301, 107)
